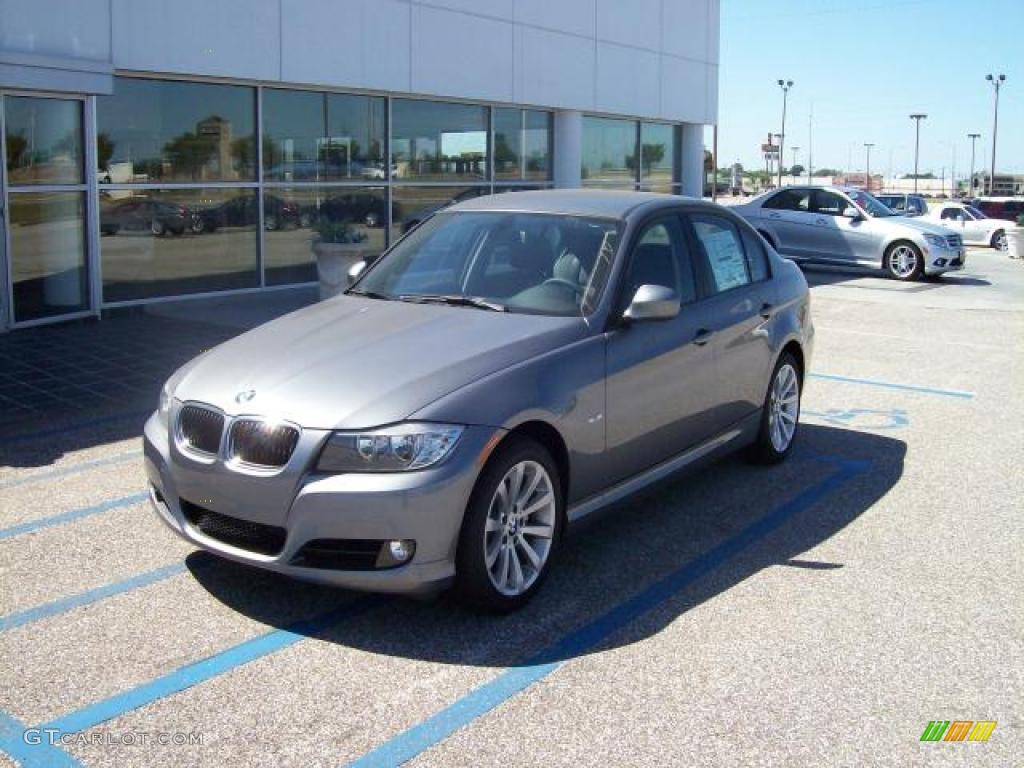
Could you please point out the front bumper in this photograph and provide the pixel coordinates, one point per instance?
(945, 259)
(425, 506)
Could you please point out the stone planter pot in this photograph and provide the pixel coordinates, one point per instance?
(333, 261)
(1015, 242)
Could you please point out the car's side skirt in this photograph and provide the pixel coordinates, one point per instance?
(736, 435)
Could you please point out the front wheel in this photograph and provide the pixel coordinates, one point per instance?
(903, 261)
(999, 241)
(780, 415)
(511, 529)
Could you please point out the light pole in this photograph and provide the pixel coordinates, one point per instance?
(970, 185)
(794, 150)
(779, 160)
(785, 85)
(917, 117)
(867, 172)
(996, 83)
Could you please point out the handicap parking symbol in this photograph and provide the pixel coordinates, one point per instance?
(864, 418)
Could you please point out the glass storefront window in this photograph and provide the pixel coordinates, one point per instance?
(310, 136)
(657, 156)
(412, 205)
(609, 153)
(436, 141)
(297, 219)
(538, 136)
(171, 242)
(48, 274)
(522, 144)
(172, 131)
(44, 140)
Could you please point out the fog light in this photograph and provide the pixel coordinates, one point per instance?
(940, 262)
(396, 552)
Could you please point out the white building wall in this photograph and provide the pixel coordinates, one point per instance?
(640, 58)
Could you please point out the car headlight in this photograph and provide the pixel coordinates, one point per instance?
(937, 241)
(163, 407)
(389, 449)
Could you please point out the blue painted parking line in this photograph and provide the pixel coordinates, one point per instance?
(57, 607)
(960, 393)
(74, 469)
(208, 668)
(30, 755)
(74, 514)
(486, 697)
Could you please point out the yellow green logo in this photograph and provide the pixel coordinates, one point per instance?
(958, 730)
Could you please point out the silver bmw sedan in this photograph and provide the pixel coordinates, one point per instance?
(511, 365)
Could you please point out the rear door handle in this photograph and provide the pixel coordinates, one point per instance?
(820, 221)
(703, 337)
(774, 215)
(767, 310)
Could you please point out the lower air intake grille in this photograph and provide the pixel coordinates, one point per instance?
(261, 443)
(254, 537)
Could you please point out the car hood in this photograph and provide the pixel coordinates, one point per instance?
(354, 363)
(917, 224)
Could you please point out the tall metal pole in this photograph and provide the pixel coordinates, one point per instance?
(785, 85)
(794, 150)
(997, 82)
(970, 184)
(917, 117)
(867, 172)
(810, 146)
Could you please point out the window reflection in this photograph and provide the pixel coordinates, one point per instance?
(311, 136)
(609, 153)
(170, 242)
(44, 140)
(165, 130)
(438, 141)
(299, 221)
(415, 204)
(657, 156)
(48, 273)
(522, 144)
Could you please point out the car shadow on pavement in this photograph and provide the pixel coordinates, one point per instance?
(608, 560)
(820, 274)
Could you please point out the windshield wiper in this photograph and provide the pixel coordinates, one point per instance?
(368, 294)
(453, 300)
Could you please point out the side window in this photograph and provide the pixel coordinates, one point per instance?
(950, 213)
(827, 203)
(757, 259)
(788, 200)
(660, 257)
(723, 250)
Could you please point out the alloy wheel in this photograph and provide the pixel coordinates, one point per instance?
(520, 528)
(903, 261)
(1000, 242)
(784, 407)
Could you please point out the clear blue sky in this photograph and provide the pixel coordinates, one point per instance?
(866, 65)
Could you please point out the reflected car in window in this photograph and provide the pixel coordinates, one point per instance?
(849, 227)
(510, 366)
(146, 214)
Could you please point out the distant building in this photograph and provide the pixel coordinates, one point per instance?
(1006, 184)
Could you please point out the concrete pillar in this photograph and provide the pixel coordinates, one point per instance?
(568, 147)
(692, 157)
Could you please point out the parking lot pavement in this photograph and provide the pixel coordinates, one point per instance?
(821, 612)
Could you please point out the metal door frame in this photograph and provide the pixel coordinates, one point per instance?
(89, 209)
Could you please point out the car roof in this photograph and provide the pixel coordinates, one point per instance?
(601, 203)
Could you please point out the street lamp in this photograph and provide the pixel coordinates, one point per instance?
(973, 137)
(996, 83)
(785, 85)
(867, 173)
(917, 117)
(780, 159)
(794, 150)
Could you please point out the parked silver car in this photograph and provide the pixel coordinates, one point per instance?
(513, 364)
(836, 225)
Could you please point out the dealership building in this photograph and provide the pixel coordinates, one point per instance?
(157, 150)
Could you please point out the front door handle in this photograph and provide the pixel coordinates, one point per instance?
(703, 337)
(774, 215)
(767, 310)
(820, 221)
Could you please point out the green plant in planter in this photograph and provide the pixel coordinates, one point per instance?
(1020, 220)
(342, 231)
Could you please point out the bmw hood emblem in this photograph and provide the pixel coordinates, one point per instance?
(245, 396)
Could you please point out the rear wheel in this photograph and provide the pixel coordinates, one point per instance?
(999, 241)
(903, 261)
(511, 529)
(157, 228)
(780, 415)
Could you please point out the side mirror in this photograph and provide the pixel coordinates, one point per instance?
(851, 213)
(653, 302)
(355, 271)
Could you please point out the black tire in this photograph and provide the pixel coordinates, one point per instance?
(157, 228)
(271, 223)
(473, 584)
(999, 240)
(891, 263)
(764, 450)
(371, 219)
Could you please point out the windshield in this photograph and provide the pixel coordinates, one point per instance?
(532, 263)
(975, 212)
(872, 206)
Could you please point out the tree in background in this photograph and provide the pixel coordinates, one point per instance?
(189, 152)
(796, 170)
